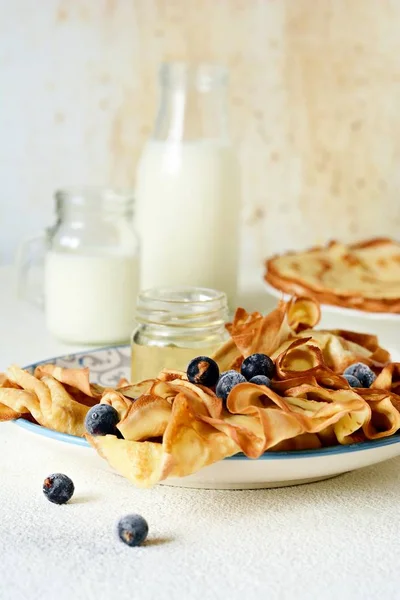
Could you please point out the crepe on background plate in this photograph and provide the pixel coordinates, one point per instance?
(364, 276)
(173, 428)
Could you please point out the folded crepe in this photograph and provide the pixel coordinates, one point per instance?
(172, 428)
(253, 332)
(7, 387)
(45, 399)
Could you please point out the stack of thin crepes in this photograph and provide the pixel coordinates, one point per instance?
(365, 276)
(172, 428)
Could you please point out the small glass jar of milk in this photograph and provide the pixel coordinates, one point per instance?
(91, 267)
(174, 325)
(188, 186)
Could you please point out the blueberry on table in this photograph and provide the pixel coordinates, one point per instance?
(227, 382)
(58, 488)
(352, 381)
(203, 370)
(132, 530)
(257, 364)
(101, 419)
(261, 380)
(362, 372)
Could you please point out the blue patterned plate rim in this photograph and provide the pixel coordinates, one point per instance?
(81, 353)
(316, 452)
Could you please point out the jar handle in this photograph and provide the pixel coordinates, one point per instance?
(29, 268)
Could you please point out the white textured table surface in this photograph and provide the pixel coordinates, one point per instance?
(334, 539)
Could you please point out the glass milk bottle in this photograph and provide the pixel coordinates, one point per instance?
(188, 186)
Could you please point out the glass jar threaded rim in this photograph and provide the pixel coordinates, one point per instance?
(182, 307)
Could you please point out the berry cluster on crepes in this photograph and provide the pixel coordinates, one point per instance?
(170, 427)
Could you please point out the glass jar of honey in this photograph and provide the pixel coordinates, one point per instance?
(175, 325)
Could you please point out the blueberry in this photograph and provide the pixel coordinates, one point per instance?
(101, 419)
(257, 364)
(261, 380)
(226, 382)
(58, 488)
(352, 381)
(363, 373)
(132, 530)
(203, 371)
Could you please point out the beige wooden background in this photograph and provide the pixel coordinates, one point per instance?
(315, 106)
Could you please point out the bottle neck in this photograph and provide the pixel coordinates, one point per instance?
(193, 103)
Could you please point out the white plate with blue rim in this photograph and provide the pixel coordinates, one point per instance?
(272, 469)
